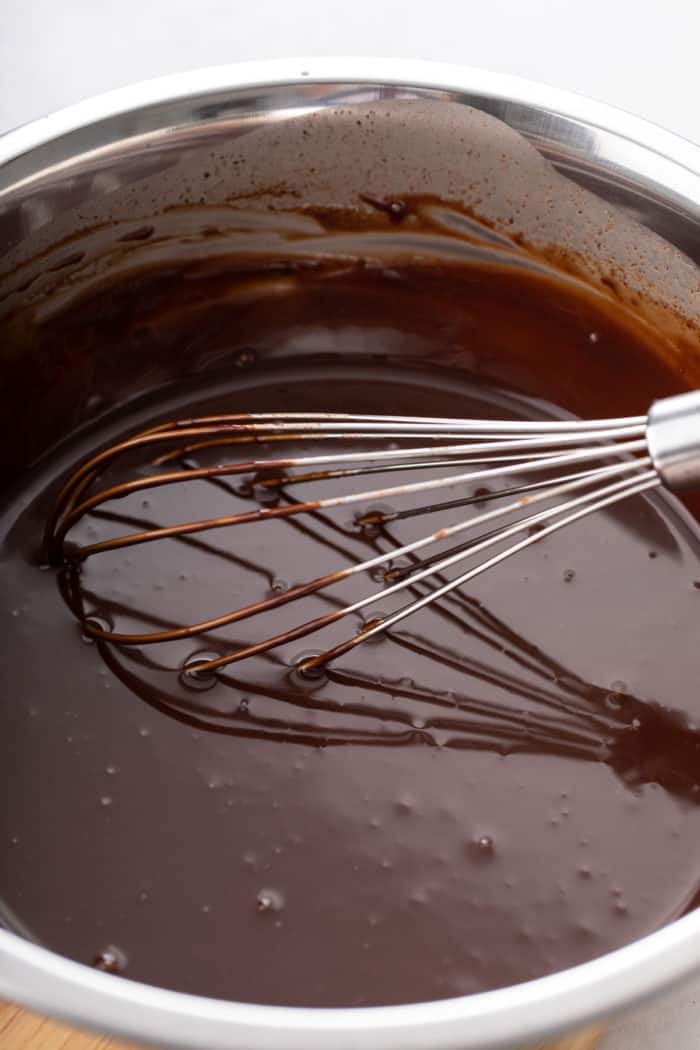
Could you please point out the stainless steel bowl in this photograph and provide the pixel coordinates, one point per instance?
(103, 153)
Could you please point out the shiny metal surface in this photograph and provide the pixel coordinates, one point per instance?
(97, 146)
(673, 436)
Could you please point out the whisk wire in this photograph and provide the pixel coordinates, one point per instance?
(490, 451)
(270, 513)
(587, 504)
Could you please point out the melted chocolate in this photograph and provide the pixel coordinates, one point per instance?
(503, 786)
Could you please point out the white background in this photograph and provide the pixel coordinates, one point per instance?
(642, 56)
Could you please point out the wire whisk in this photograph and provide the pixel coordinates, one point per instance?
(548, 474)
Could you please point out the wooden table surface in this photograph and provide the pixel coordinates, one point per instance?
(21, 1030)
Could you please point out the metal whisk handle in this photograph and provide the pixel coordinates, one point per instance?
(673, 437)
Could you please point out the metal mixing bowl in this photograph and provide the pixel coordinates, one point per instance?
(156, 133)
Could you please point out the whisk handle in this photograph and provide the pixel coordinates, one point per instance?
(673, 437)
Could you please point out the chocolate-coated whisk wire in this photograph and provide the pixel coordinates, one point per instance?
(543, 476)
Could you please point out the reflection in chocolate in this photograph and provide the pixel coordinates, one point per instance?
(504, 786)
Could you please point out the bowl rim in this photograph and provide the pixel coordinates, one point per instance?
(505, 1017)
(112, 105)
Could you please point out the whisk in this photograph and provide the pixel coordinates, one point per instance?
(573, 468)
